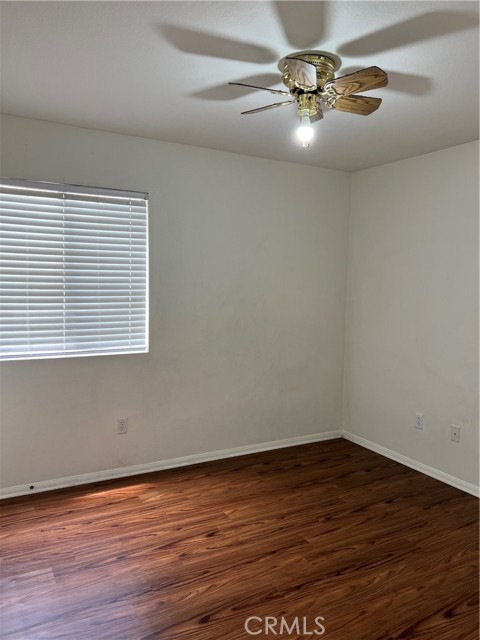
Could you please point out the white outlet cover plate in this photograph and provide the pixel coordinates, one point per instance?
(122, 425)
(454, 433)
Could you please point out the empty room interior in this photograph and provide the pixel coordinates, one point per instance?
(239, 320)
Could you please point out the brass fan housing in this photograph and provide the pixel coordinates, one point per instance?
(310, 79)
(307, 104)
(325, 63)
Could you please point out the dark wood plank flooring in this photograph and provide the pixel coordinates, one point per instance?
(330, 529)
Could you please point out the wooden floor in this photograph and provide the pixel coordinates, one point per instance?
(329, 529)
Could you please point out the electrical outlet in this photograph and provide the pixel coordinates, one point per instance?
(122, 425)
(419, 420)
(454, 433)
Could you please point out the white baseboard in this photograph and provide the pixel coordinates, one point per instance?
(413, 464)
(123, 472)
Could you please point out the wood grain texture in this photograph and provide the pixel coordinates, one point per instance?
(360, 105)
(363, 80)
(304, 74)
(327, 529)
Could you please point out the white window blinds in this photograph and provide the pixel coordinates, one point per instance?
(73, 271)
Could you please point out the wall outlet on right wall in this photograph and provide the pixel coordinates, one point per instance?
(419, 420)
(454, 433)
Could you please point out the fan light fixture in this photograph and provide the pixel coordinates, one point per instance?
(310, 79)
(305, 131)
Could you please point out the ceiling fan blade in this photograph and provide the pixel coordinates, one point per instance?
(404, 82)
(363, 80)
(304, 74)
(225, 92)
(252, 86)
(269, 106)
(361, 105)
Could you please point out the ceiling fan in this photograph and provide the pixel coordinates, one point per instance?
(311, 83)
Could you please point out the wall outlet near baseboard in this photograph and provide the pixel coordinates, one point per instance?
(122, 425)
(419, 421)
(454, 433)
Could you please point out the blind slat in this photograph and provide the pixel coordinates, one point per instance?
(73, 271)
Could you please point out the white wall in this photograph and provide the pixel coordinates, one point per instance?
(412, 309)
(248, 273)
(248, 278)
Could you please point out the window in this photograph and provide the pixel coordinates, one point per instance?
(73, 271)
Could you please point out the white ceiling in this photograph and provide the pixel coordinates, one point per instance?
(160, 70)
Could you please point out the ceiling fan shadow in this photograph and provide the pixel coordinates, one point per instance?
(418, 29)
(303, 23)
(402, 82)
(207, 44)
(409, 83)
(227, 92)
